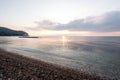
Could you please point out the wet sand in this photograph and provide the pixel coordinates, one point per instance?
(17, 67)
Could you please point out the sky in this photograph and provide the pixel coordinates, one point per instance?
(62, 17)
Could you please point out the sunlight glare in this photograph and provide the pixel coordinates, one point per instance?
(63, 38)
(64, 41)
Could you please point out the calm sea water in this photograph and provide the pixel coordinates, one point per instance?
(95, 55)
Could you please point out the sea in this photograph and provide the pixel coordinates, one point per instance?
(91, 54)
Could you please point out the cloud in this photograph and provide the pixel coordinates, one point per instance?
(108, 22)
(45, 24)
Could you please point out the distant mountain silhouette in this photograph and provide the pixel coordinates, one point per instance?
(9, 32)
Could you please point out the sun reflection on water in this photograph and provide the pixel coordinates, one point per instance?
(64, 42)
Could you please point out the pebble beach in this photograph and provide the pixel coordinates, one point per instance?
(17, 67)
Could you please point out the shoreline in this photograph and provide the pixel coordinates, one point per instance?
(18, 67)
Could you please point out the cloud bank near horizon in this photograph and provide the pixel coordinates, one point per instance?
(108, 22)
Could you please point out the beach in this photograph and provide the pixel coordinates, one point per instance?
(17, 67)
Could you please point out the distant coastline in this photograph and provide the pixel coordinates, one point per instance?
(28, 37)
(9, 32)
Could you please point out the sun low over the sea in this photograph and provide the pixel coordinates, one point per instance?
(60, 33)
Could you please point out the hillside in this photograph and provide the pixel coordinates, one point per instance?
(9, 32)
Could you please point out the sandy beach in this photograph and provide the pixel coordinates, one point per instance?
(17, 67)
